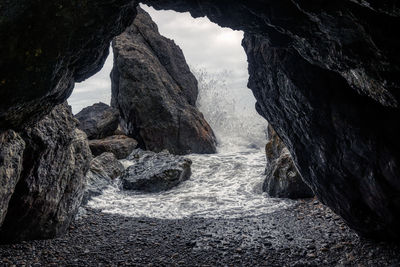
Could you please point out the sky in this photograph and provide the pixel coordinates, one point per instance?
(205, 45)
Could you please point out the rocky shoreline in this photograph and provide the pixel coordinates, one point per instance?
(305, 234)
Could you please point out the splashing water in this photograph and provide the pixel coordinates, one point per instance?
(227, 184)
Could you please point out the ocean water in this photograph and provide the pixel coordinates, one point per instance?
(223, 185)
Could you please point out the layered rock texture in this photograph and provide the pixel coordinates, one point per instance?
(282, 178)
(155, 92)
(155, 172)
(120, 145)
(47, 46)
(98, 121)
(103, 169)
(11, 153)
(44, 167)
(325, 75)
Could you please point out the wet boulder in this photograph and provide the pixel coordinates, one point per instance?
(155, 92)
(120, 145)
(51, 184)
(98, 121)
(155, 172)
(282, 178)
(103, 170)
(11, 155)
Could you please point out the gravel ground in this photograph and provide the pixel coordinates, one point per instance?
(307, 234)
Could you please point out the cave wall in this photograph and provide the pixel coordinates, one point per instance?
(43, 171)
(325, 74)
(47, 46)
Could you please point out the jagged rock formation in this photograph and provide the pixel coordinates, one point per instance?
(282, 178)
(155, 92)
(155, 172)
(98, 121)
(103, 169)
(120, 145)
(11, 151)
(325, 75)
(50, 184)
(48, 46)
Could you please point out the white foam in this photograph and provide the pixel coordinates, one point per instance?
(222, 185)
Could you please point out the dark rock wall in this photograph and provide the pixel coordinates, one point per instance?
(11, 151)
(155, 92)
(326, 76)
(282, 178)
(47, 46)
(51, 183)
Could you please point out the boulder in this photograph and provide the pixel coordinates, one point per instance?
(282, 178)
(11, 156)
(155, 172)
(325, 75)
(155, 92)
(51, 183)
(98, 121)
(120, 145)
(103, 170)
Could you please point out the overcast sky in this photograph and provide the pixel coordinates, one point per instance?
(205, 45)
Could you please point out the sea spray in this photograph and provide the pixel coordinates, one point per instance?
(227, 184)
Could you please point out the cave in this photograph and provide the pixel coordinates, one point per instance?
(325, 76)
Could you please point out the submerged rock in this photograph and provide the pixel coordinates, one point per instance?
(103, 169)
(120, 145)
(282, 178)
(155, 172)
(11, 155)
(155, 92)
(51, 184)
(98, 121)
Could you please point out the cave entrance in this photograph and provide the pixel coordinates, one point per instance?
(218, 61)
(228, 183)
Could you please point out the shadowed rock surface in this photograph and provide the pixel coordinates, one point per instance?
(103, 169)
(155, 92)
(282, 178)
(11, 151)
(155, 172)
(120, 145)
(325, 75)
(51, 184)
(47, 46)
(98, 121)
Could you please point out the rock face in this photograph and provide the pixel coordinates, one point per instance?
(41, 63)
(155, 172)
(98, 121)
(155, 92)
(51, 183)
(11, 151)
(103, 169)
(282, 178)
(325, 75)
(120, 145)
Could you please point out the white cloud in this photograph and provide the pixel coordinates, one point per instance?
(205, 45)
